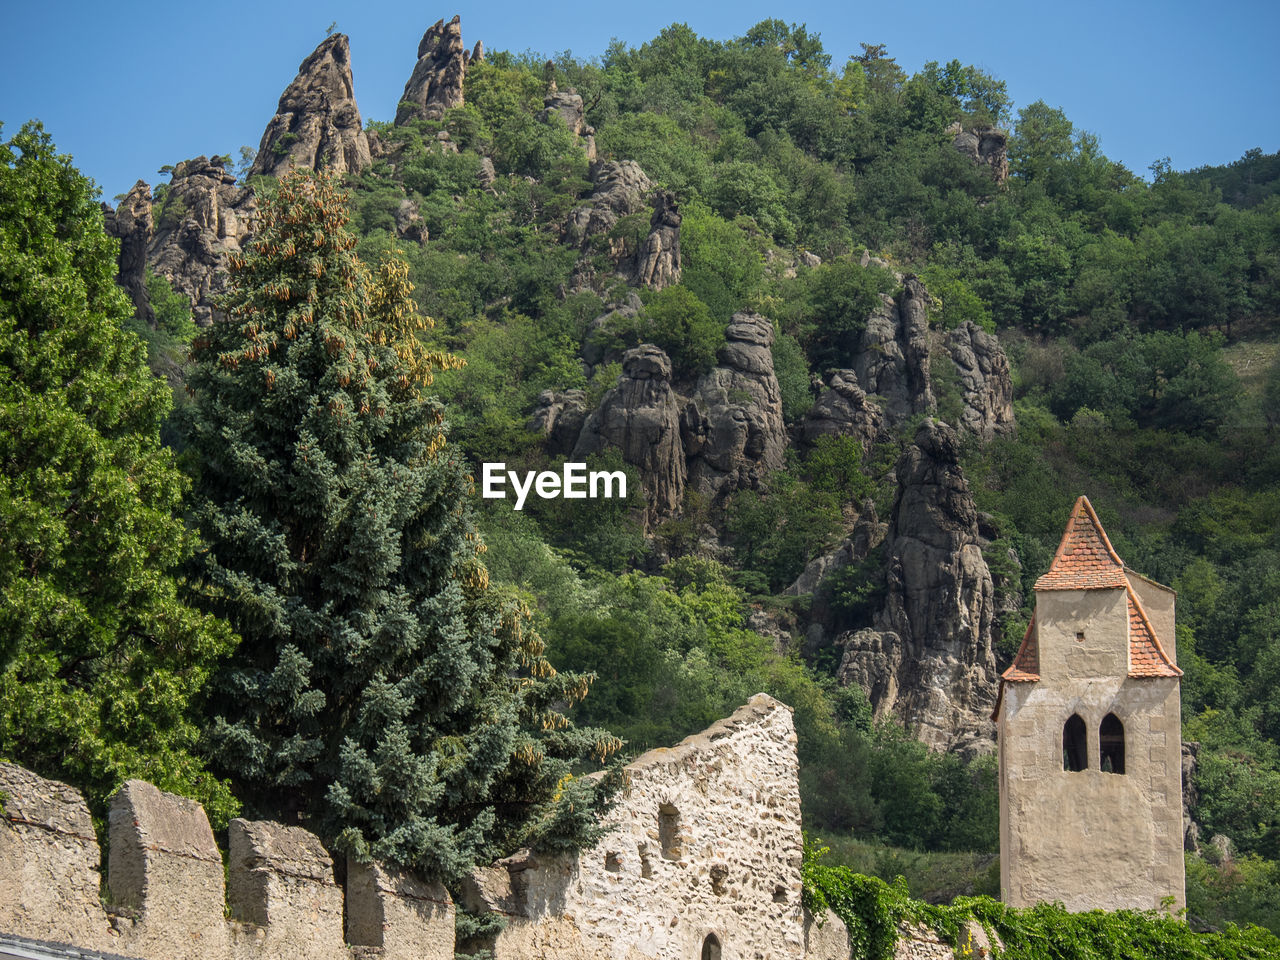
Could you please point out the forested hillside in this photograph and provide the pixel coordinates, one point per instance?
(814, 309)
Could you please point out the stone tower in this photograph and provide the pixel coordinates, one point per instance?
(1089, 729)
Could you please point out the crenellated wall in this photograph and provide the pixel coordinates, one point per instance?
(168, 899)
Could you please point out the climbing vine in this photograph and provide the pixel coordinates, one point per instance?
(873, 910)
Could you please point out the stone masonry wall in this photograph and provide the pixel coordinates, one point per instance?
(706, 842)
(168, 898)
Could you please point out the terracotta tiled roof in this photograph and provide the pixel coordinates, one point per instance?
(1085, 559)
(1146, 657)
(1026, 665)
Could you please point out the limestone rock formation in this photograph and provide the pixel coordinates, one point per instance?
(567, 105)
(641, 417)
(658, 261)
(204, 217)
(732, 427)
(619, 188)
(132, 225)
(985, 379)
(893, 355)
(985, 145)
(843, 410)
(929, 661)
(317, 123)
(559, 417)
(436, 82)
(409, 225)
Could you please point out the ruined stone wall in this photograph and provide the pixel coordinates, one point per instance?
(1089, 838)
(706, 842)
(167, 896)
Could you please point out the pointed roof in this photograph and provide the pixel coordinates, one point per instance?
(1026, 664)
(1146, 656)
(1085, 559)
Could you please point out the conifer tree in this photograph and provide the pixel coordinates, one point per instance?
(100, 659)
(383, 693)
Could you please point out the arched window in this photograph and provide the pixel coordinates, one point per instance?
(1075, 744)
(711, 947)
(1111, 744)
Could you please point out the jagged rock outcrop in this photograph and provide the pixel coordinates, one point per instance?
(567, 105)
(868, 533)
(436, 82)
(317, 123)
(658, 261)
(985, 379)
(409, 225)
(929, 660)
(486, 176)
(893, 355)
(132, 225)
(843, 409)
(641, 417)
(599, 345)
(619, 188)
(732, 427)
(204, 217)
(985, 145)
(559, 417)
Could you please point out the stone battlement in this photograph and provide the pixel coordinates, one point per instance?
(168, 899)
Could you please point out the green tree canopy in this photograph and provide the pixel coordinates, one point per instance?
(383, 691)
(99, 659)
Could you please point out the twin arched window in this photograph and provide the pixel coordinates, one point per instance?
(1075, 744)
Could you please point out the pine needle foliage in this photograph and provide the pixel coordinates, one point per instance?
(384, 694)
(101, 661)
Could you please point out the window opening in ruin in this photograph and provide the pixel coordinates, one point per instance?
(1080, 635)
(669, 832)
(1075, 744)
(711, 947)
(1111, 744)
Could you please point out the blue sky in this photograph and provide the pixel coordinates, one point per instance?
(126, 88)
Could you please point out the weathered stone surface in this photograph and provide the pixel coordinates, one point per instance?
(409, 225)
(843, 409)
(930, 662)
(868, 533)
(732, 428)
(658, 261)
(985, 145)
(317, 123)
(408, 918)
(893, 355)
(705, 842)
(825, 937)
(486, 175)
(131, 224)
(985, 379)
(48, 862)
(619, 188)
(436, 82)
(166, 867)
(567, 105)
(281, 878)
(559, 417)
(205, 216)
(641, 417)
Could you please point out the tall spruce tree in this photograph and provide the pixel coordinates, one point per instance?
(383, 692)
(100, 659)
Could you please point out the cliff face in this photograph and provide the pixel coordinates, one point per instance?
(132, 225)
(436, 82)
(205, 217)
(317, 123)
(929, 661)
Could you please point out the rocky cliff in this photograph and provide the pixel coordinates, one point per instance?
(204, 217)
(436, 82)
(641, 418)
(732, 427)
(131, 223)
(985, 379)
(929, 660)
(317, 122)
(893, 355)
